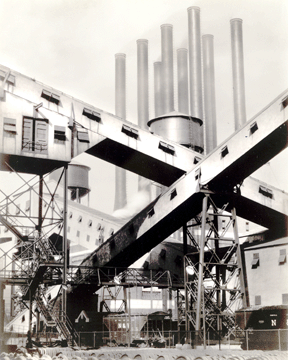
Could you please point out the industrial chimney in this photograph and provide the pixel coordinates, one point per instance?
(167, 67)
(209, 93)
(182, 76)
(158, 103)
(143, 99)
(238, 73)
(195, 75)
(120, 110)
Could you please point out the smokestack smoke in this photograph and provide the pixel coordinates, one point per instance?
(183, 86)
(209, 92)
(238, 73)
(158, 103)
(120, 110)
(167, 67)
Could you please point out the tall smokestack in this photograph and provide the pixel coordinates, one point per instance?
(120, 110)
(143, 99)
(183, 86)
(238, 73)
(167, 67)
(158, 101)
(209, 92)
(142, 83)
(194, 42)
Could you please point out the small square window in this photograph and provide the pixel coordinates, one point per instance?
(68, 229)
(70, 215)
(78, 233)
(90, 223)
(88, 238)
(59, 133)
(256, 261)
(50, 97)
(82, 135)
(224, 151)
(284, 299)
(98, 227)
(257, 300)
(93, 115)
(173, 194)
(80, 219)
(266, 192)
(10, 126)
(282, 257)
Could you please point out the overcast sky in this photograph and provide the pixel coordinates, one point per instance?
(70, 45)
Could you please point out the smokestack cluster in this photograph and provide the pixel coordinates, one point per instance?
(194, 97)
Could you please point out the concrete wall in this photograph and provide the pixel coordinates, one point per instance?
(269, 279)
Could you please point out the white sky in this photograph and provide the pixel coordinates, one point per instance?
(70, 45)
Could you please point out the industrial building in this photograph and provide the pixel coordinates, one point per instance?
(178, 266)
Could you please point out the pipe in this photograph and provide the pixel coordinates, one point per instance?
(183, 86)
(167, 67)
(120, 110)
(195, 75)
(238, 72)
(209, 93)
(158, 103)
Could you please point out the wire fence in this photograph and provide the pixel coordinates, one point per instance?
(276, 339)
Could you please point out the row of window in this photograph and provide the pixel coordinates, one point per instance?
(256, 259)
(284, 299)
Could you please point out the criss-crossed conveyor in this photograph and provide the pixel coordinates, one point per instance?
(220, 172)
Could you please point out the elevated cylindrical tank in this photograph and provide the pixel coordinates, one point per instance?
(158, 102)
(238, 72)
(195, 75)
(178, 127)
(142, 83)
(209, 93)
(182, 76)
(78, 180)
(120, 110)
(167, 67)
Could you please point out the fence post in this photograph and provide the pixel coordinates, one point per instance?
(279, 339)
(247, 342)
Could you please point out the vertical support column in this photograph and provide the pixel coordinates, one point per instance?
(65, 244)
(239, 258)
(187, 322)
(40, 206)
(2, 311)
(201, 265)
(129, 313)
